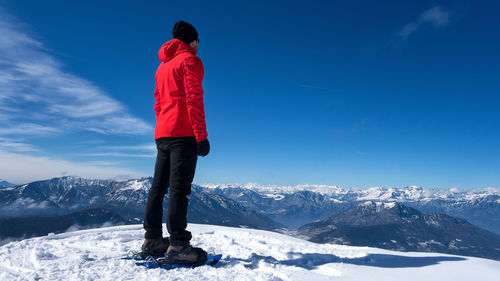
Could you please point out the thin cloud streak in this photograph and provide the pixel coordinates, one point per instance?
(14, 167)
(29, 129)
(435, 16)
(118, 154)
(312, 87)
(13, 145)
(66, 101)
(148, 147)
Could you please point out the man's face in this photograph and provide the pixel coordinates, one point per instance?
(195, 44)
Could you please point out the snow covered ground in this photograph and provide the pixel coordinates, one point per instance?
(248, 254)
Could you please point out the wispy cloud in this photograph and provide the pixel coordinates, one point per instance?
(129, 151)
(312, 87)
(33, 81)
(119, 154)
(39, 97)
(354, 128)
(29, 129)
(144, 147)
(146, 150)
(13, 168)
(14, 145)
(436, 16)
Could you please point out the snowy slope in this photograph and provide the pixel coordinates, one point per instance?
(248, 255)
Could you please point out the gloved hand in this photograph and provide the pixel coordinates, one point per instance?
(203, 148)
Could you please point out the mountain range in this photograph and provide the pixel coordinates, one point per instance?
(397, 227)
(65, 195)
(283, 209)
(294, 206)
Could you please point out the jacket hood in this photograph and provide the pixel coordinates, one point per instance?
(172, 48)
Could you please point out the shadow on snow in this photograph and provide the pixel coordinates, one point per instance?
(311, 261)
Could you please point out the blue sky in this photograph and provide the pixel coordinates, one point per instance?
(347, 93)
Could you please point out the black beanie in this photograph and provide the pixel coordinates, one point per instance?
(184, 32)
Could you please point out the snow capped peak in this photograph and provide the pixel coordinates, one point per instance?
(275, 196)
(279, 189)
(368, 203)
(140, 184)
(389, 205)
(379, 205)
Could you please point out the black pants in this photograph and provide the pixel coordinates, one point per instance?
(175, 166)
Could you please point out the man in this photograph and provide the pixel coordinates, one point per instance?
(180, 136)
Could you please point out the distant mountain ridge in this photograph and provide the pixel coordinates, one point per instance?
(398, 227)
(4, 183)
(59, 196)
(479, 206)
(287, 205)
(17, 227)
(395, 193)
(291, 209)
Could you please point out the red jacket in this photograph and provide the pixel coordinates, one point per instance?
(179, 95)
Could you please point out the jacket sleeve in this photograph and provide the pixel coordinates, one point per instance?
(157, 106)
(193, 76)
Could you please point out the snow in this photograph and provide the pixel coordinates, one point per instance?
(389, 205)
(22, 188)
(248, 254)
(136, 185)
(379, 205)
(280, 189)
(275, 196)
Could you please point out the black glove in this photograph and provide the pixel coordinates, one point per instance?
(203, 148)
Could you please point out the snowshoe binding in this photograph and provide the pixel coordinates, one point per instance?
(151, 248)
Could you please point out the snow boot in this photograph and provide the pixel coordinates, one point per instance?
(185, 255)
(155, 247)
